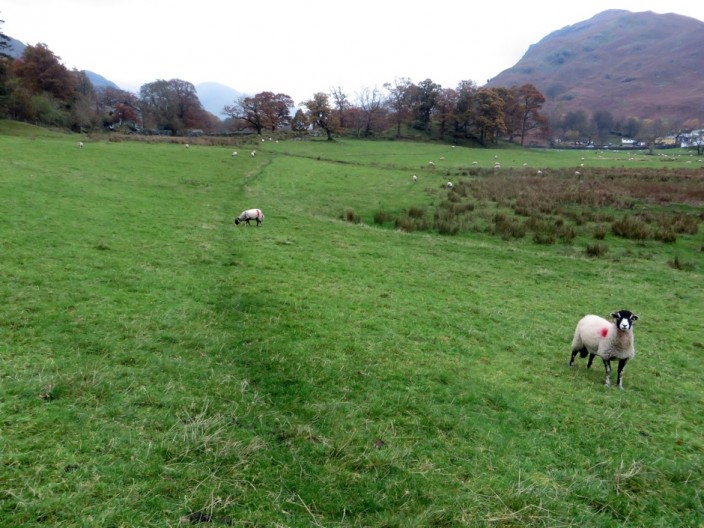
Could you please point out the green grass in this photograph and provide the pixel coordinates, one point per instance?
(160, 366)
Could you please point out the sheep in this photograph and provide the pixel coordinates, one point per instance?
(449, 185)
(234, 153)
(253, 153)
(80, 144)
(415, 178)
(596, 336)
(188, 146)
(250, 214)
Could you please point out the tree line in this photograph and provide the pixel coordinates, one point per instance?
(38, 88)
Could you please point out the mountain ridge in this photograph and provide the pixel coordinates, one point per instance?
(642, 65)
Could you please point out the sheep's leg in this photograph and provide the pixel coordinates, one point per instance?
(591, 360)
(574, 354)
(607, 365)
(619, 375)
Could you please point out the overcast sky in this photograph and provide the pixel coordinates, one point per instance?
(300, 47)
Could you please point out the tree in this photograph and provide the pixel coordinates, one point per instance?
(84, 106)
(265, 110)
(320, 114)
(400, 100)
(464, 108)
(603, 122)
(342, 104)
(650, 131)
(426, 99)
(119, 108)
(299, 123)
(41, 72)
(5, 62)
(523, 111)
(574, 126)
(489, 112)
(370, 103)
(173, 105)
(445, 110)
(4, 43)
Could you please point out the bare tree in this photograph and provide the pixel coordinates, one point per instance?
(371, 105)
(400, 100)
(341, 103)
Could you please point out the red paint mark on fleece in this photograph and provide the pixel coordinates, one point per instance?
(604, 332)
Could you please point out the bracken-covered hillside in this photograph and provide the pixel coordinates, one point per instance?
(643, 65)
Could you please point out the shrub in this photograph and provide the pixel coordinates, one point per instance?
(508, 228)
(381, 217)
(416, 212)
(684, 224)
(630, 227)
(600, 232)
(666, 234)
(405, 224)
(597, 250)
(350, 216)
(544, 238)
(678, 264)
(447, 226)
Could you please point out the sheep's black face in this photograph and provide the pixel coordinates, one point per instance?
(237, 221)
(624, 319)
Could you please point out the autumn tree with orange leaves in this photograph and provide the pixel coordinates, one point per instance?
(264, 111)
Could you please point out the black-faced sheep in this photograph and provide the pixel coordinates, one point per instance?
(250, 214)
(596, 336)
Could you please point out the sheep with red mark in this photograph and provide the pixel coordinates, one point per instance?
(596, 336)
(250, 214)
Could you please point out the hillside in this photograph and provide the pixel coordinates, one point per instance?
(214, 96)
(631, 64)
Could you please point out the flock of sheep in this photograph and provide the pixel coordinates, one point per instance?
(593, 336)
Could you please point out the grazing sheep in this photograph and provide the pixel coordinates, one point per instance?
(596, 336)
(80, 144)
(449, 185)
(250, 214)
(188, 146)
(234, 153)
(253, 153)
(415, 178)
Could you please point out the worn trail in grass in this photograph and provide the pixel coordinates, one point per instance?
(158, 362)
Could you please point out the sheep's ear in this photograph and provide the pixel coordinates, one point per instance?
(615, 315)
(634, 317)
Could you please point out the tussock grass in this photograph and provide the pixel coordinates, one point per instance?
(162, 367)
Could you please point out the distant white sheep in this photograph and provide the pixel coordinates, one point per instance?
(250, 214)
(596, 336)
(188, 146)
(80, 144)
(253, 153)
(234, 153)
(449, 185)
(415, 178)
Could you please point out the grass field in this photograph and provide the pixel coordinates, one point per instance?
(160, 366)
